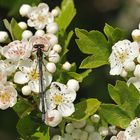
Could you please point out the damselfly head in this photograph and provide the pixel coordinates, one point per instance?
(41, 46)
(40, 42)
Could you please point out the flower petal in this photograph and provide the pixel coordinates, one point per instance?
(53, 118)
(21, 78)
(66, 109)
(69, 95)
(34, 85)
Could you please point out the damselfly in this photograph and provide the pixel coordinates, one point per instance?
(39, 52)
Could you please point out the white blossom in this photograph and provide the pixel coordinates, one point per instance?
(95, 118)
(53, 39)
(60, 97)
(24, 9)
(17, 50)
(26, 90)
(103, 131)
(132, 132)
(27, 34)
(40, 16)
(9, 66)
(3, 36)
(51, 67)
(122, 52)
(39, 33)
(73, 84)
(8, 96)
(3, 76)
(53, 56)
(29, 74)
(137, 71)
(66, 66)
(136, 35)
(57, 48)
(22, 25)
(120, 136)
(52, 28)
(55, 12)
(53, 118)
(135, 81)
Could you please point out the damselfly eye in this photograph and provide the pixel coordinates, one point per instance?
(41, 46)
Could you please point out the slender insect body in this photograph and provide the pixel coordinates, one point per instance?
(39, 52)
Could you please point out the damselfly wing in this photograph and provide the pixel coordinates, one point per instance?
(39, 52)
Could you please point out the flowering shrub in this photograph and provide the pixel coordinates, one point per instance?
(88, 119)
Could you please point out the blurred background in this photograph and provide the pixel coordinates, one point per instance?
(91, 14)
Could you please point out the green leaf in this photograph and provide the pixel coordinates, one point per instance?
(68, 12)
(42, 133)
(27, 127)
(23, 108)
(114, 115)
(114, 34)
(81, 76)
(90, 42)
(94, 61)
(65, 40)
(14, 29)
(95, 43)
(126, 97)
(84, 109)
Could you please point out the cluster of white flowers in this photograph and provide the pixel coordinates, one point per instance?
(83, 130)
(125, 59)
(19, 64)
(132, 132)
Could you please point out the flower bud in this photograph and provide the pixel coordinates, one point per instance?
(54, 57)
(52, 28)
(76, 134)
(84, 135)
(3, 36)
(51, 67)
(136, 35)
(138, 58)
(95, 136)
(95, 118)
(89, 128)
(73, 84)
(129, 66)
(24, 9)
(27, 34)
(79, 124)
(39, 33)
(57, 137)
(103, 131)
(57, 48)
(66, 66)
(22, 25)
(137, 71)
(55, 12)
(26, 90)
(53, 118)
(52, 39)
(123, 73)
(68, 137)
(69, 128)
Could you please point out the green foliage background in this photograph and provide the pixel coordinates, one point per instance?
(88, 17)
